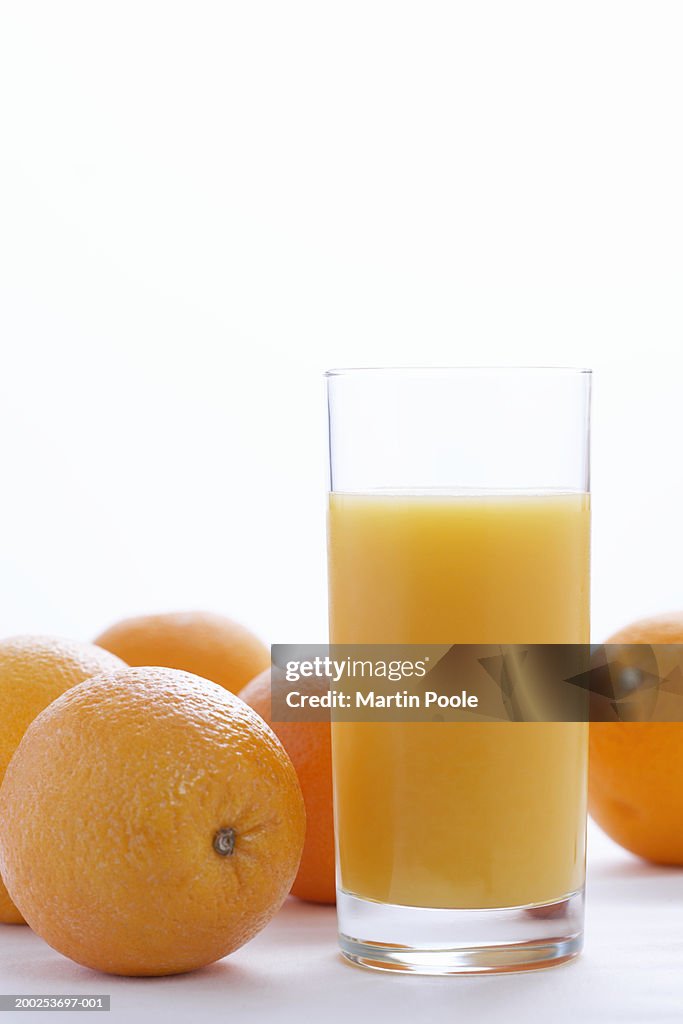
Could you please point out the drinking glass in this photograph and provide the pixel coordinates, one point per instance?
(459, 514)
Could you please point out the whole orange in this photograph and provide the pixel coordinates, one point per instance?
(636, 768)
(34, 670)
(203, 643)
(155, 823)
(308, 745)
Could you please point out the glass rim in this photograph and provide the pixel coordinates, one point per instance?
(425, 371)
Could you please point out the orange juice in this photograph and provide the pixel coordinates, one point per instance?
(460, 815)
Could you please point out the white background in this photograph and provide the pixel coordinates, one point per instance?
(203, 205)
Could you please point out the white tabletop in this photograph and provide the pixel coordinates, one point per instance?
(631, 969)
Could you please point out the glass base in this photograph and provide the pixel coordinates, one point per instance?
(387, 937)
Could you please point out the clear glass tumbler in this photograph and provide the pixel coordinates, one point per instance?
(459, 513)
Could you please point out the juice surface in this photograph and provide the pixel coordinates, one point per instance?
(460, 815)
